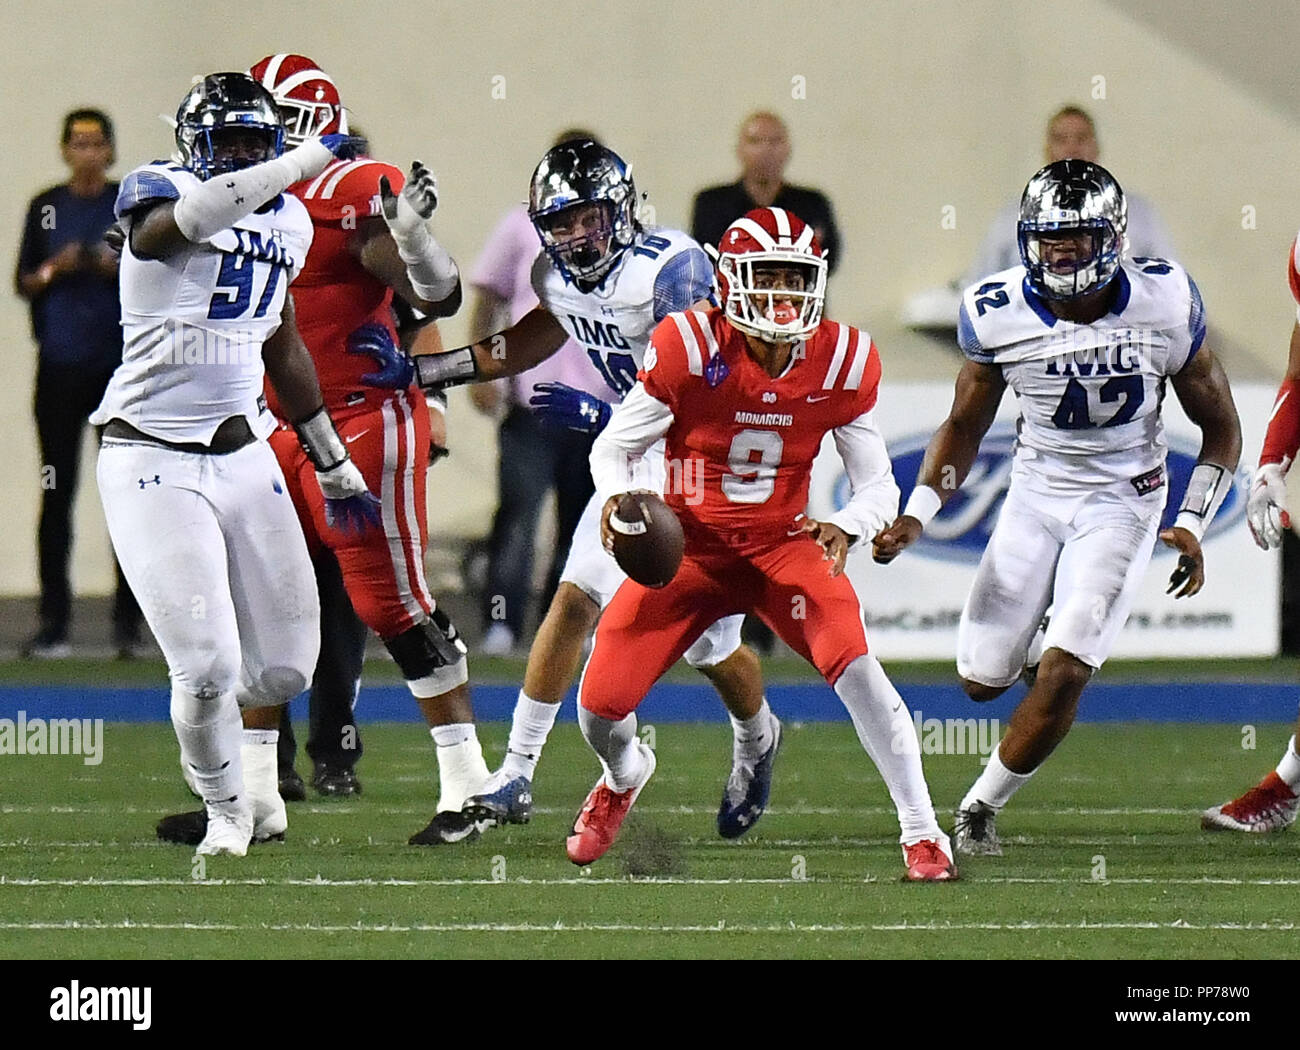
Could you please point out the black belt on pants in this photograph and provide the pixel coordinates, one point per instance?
(233, 434)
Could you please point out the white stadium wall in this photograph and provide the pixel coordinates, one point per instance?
(897, 110)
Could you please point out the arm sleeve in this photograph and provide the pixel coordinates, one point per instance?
(618, 454)
(874, 500)
(683, 280)
(31, 253)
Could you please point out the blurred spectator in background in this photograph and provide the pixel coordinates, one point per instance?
(69, 275)
(534, 458)
(1071, 135)
(763, 151)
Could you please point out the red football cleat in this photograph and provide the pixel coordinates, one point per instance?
(930, 860)
(596, 827)
(1269, 806)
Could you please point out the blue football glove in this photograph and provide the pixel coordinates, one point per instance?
(349, 505)
(345, 147)
(396, 369)
(567, 408)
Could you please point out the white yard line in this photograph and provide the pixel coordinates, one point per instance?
(720, 927)
(320, 882)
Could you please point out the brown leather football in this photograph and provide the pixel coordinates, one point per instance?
(648, 540)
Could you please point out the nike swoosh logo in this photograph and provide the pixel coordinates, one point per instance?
(353, 437)
(813, 400)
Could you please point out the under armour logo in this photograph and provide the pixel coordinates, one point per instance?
(155, 480)
(608, 311)
(239, 200)
(230, 185)
(768, 397)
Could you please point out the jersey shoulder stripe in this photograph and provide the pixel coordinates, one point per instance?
(837, 358)
(861, 352)
(150, 183)
(690, 343)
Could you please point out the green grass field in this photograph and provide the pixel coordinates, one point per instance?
(81, 874)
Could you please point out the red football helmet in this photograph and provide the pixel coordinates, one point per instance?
(308, 100)
(756, 297)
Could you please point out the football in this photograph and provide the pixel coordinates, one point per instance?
(648, 540)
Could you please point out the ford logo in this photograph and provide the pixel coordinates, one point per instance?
(960, 531)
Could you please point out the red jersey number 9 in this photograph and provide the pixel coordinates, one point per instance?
(752, 459)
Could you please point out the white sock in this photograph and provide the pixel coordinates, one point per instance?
(529, 728)
(461, 769)
(883, 721)
(617, 747)
(995, 786)
(1289, 768)
(751, 737)
(261, 770)
(208, 732)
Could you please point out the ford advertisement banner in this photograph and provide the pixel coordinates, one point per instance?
(913, 605)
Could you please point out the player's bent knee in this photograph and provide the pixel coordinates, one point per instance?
(606, 704)
(1062, 674)
(206, 675)
(573, 607)
(430, 655)
(276, 686)
(981, 692)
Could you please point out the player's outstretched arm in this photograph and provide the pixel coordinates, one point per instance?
(1266, 511)
(526, 343)
(948, 457)
(402, 252)
(1203, 391)
(349, 504)
(217, 204)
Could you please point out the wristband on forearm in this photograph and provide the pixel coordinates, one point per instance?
(1206, 490)
(223, 200)
(450, 368)
(320, 440)
(923, 504)
(433, 273)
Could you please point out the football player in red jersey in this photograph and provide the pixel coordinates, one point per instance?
(371, 241)
(744, 395)
(1273, 803)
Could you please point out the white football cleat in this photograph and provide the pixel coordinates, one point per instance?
(230, 829)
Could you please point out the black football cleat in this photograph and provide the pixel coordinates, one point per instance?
(449, 827)
(292, 789)
(189, 829)
(335, 781)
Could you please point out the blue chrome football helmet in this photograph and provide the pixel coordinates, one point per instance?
(214, 108)
(1072, 197)
(571, 175)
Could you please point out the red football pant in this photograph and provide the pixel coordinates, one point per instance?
(383, 569)
(644, 631)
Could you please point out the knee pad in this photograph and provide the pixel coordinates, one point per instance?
(274, 686)
(430, 655)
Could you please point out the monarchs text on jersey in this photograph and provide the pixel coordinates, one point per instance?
(741, 444)
(664, 270)
(1089, 394)
(194, 322)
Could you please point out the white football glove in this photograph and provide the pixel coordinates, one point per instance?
(349, 505)
(407, 211)
(1266, 512)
